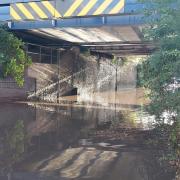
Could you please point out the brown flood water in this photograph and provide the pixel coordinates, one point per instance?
(95, 137)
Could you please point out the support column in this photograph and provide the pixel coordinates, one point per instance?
(58, 85)
(40, 58)
(76, 52)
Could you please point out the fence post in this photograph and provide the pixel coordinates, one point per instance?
(35, 84)
(58, 87)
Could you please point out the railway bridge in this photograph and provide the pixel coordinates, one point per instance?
(103, 26)
(106, 28)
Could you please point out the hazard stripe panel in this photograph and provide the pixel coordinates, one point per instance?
(55, 9)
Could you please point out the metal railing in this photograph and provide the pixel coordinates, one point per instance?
(10, 84)
(42, 54)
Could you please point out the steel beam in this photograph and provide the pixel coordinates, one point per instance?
(126, 20)
(56, 9)
(130, 7)
(15, 1)
(4, 13)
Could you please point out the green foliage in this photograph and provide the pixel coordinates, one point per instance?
(13, 59)
(115, 60)
(15, 140)
(118, 61)
(163, 66)
(160, 71)
(140, 75)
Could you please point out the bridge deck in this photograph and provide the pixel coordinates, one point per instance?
(55, 9)
(79, 22)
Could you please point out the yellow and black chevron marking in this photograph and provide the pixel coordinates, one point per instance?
(68, 8)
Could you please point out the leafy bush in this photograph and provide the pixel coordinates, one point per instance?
(13, 59)
(162, 69)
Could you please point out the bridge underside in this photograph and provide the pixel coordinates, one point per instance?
(115, 40)
(88, 35)
(110, 27)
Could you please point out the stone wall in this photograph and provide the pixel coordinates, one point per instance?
(10, 91)
(86, 73)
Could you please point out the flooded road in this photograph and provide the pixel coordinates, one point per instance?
(98, 137)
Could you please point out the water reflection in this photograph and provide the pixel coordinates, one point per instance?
(12, 146)
(77, 141)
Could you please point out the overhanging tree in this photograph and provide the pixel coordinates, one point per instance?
(161, 70)
(13, 59)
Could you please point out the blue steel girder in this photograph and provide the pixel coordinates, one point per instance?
(129, 15)
(55, 9)
(15, 1)
(126, 20)
(130, 6)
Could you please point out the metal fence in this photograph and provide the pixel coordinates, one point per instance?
(9, 83)
(42, 54)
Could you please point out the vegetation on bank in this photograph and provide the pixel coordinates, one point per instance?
(160, 72)
(13, 59)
